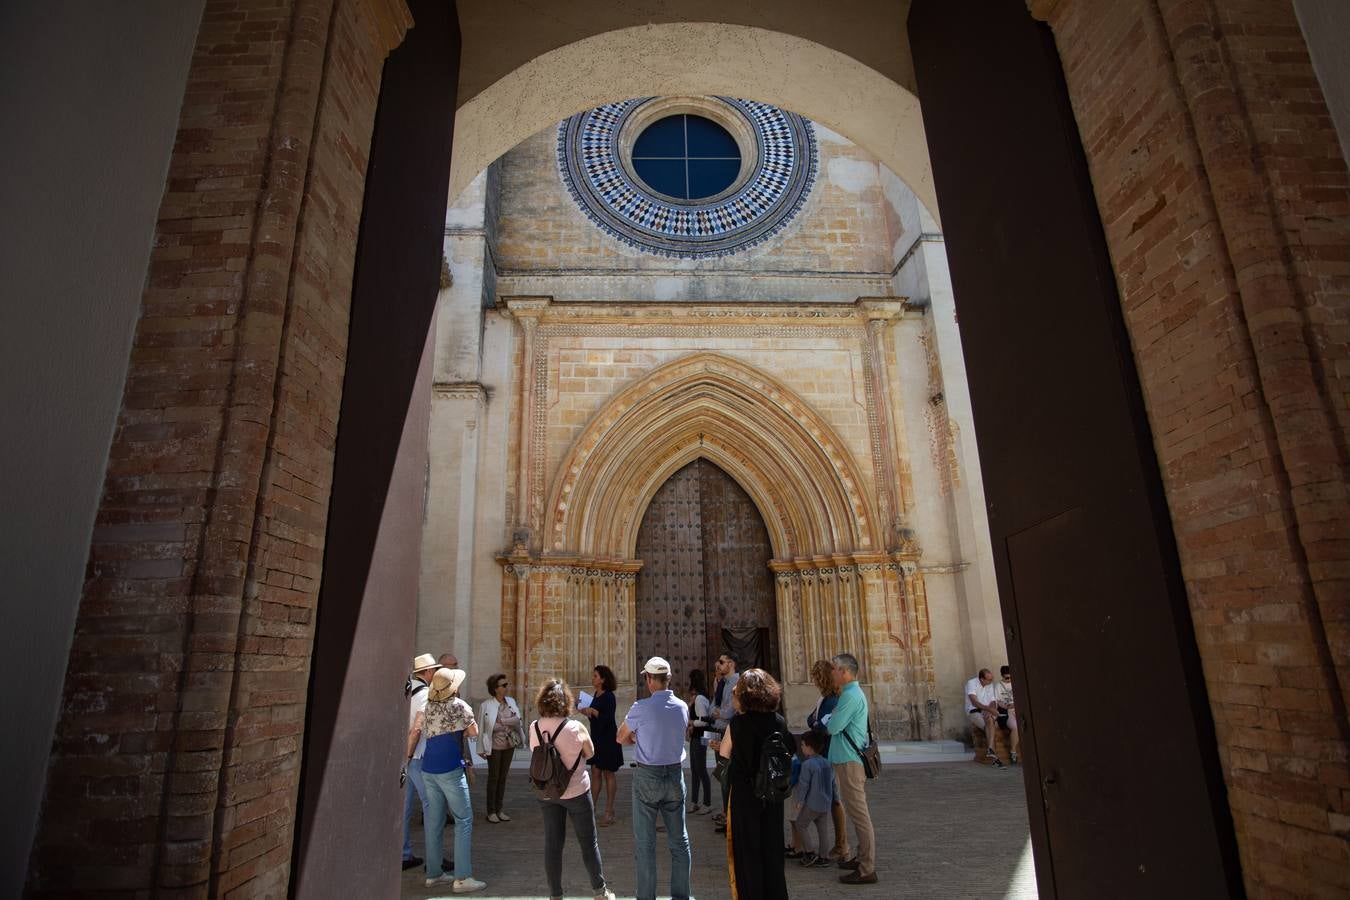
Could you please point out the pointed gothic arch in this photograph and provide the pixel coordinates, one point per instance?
(568, 597)
(782, 452)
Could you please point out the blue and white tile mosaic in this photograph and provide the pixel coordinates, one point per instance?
(774, 192)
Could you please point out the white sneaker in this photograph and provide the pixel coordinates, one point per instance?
(447, 878)
(504, 817)
(468, 885)
(607, 895)
(492, 817)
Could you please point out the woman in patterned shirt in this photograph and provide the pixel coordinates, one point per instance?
(448, 720)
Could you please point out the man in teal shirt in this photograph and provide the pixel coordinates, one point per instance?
(848, 730)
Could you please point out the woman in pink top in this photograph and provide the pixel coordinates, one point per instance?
(554, 704)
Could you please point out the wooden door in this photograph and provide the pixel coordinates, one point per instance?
(704, 551)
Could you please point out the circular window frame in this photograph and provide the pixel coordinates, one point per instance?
(594, 167)
(730, 119)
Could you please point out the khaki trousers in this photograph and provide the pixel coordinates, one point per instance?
(840, 831)
(853, 791)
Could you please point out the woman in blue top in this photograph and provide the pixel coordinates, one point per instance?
(608, 757)
(822, 675)
(446, 722)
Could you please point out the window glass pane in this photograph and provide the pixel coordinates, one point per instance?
(664, 175)
(711, 176)
(707, 138)
(664, 137)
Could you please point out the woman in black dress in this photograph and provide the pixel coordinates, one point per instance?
(754, 826)
(608, 757)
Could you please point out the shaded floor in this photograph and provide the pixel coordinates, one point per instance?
(931, 821)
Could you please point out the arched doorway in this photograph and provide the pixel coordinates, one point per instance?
(705, 587)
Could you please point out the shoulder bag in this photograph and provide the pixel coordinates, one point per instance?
(870, 755)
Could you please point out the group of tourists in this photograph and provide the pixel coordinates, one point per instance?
(818, 779)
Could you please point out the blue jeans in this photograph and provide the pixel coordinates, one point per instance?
(448, 789)
(415, 789)
(660, 789)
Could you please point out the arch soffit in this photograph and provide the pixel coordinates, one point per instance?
(760, 432)
(697, 58)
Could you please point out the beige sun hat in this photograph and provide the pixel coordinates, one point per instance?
(444, 683)
(425, 661)
(656, 666)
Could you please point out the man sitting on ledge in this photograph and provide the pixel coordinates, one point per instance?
(982, 709)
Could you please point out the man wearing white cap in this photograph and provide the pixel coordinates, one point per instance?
(656, 728)
(416, 690)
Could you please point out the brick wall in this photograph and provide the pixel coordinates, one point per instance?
(176, 758)
(1224, 196)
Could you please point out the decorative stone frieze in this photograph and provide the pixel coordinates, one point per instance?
(846, 575)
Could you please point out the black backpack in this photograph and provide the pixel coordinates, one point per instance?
(773, 778)
(548, 776)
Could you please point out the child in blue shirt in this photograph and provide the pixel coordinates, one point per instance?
(814, 797)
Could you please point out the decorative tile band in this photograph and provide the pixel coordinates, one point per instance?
(784, 171)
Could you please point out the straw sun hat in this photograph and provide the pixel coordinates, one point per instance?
(444, 683)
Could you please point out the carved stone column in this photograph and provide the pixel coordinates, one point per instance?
(527, 312)
(880, 313)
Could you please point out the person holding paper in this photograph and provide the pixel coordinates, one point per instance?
(608, 757)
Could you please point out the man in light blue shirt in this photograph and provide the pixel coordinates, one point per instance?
(848, 735)
(656, 728)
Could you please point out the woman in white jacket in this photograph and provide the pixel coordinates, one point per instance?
(500, 732)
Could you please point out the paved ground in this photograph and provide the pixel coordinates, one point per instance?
(931, 820)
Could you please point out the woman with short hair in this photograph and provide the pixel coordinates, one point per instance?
(554, 704)
(608, 757)
(447, 721)
(754, 826)
(502, 730)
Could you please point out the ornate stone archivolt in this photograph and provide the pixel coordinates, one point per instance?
(761, 433)
(844, 579)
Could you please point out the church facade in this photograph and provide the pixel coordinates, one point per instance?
(219, 507)
(733, 424)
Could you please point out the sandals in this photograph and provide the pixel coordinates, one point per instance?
(607, 819)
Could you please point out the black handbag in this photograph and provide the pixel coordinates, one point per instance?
(870, 755)
(722, 772)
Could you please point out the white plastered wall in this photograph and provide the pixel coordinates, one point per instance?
(950, 518)
(89, 98)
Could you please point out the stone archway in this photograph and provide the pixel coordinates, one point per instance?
(568, 594)
(697, 59)
(1219, 292)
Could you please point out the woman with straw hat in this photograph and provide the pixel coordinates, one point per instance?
(448, 720)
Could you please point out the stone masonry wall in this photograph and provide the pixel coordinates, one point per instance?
(585, 371)
(177, 755)
(842, 231)
(1226, 205)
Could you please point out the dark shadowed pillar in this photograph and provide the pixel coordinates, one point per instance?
(348, 836)
(1122, 772)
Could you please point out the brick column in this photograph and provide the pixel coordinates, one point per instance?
(1225, 200)
(176, 757)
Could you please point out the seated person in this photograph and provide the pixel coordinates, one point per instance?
(982, 710)
(1007, 712)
